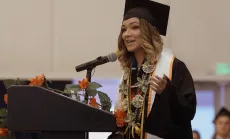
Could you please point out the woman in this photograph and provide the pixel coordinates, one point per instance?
(156, 96)
(222, 124)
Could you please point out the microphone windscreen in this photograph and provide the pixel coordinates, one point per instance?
(112, 57)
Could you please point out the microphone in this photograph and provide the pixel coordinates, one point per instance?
(112, 57)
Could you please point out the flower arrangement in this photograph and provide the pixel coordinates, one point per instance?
(88, 90)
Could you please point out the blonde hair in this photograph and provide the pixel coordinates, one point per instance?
(151, 42)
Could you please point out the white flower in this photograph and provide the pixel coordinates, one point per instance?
(123, 89)
(130, 117)
(138, 101)
(72, 92)
(126, 73)
(142, 83)
(148, 67)
(144, 89)
(125, 104)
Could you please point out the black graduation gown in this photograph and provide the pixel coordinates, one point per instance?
(175, 107)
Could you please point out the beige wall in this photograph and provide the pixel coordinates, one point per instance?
(200, 32)
(24, 36)
(53, 36)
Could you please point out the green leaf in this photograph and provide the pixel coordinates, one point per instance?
(22, 83)
(91, 92)
(78, 98)
(72, 87)
(3, 112)
(9, 82)
(85, 101)
(45, 83)
(57, 91)
(8, 136)
(93, 85)
(2, 122)
(19, 82)
(104, 100)
(67, 91)
(75, 96)
(103, 96)
(107, 107)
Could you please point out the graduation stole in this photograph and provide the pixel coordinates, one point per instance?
(124, 115)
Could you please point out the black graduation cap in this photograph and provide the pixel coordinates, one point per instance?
(223, 112)
(155, 13)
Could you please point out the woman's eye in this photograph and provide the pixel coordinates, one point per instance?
(135, 27)
(123, 30)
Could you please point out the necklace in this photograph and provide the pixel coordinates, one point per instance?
(133, 104)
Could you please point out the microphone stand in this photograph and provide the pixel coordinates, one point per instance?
(88, 76)
(89, 73)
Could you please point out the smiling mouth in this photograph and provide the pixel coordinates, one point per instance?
(130, 41)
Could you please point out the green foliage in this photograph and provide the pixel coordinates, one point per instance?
(7, 136)
(90, 91)
(93, 85)
(72, 88)
(3, 112)
(10, 82)
(3, 123)
(105, 101)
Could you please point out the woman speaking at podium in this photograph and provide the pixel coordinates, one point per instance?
(156, 97)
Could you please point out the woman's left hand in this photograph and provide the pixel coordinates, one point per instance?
(158, 84)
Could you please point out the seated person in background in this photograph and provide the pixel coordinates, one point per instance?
(222, 124)
(195, 134)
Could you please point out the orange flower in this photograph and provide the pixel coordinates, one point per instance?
(93, 102)
(37, 81)
(6, 98)
(3, 131)
(120, 117)
(84, 83)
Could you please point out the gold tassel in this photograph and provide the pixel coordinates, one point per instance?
(126, 130)
(136, 130)
(133, 132)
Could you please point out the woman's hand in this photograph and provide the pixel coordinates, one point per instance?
(158, 84)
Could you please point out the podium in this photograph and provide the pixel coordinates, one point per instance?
(55, 116)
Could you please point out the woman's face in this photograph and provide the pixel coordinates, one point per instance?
(222, 125)
(131, 34)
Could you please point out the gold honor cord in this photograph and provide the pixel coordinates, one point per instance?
(129, 104)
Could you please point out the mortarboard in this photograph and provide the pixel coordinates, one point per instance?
(155, 13)
(223, 112)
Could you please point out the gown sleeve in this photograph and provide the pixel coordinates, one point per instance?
(182, 93)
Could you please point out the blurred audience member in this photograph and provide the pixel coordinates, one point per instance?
(195, 134)
(222, 124)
